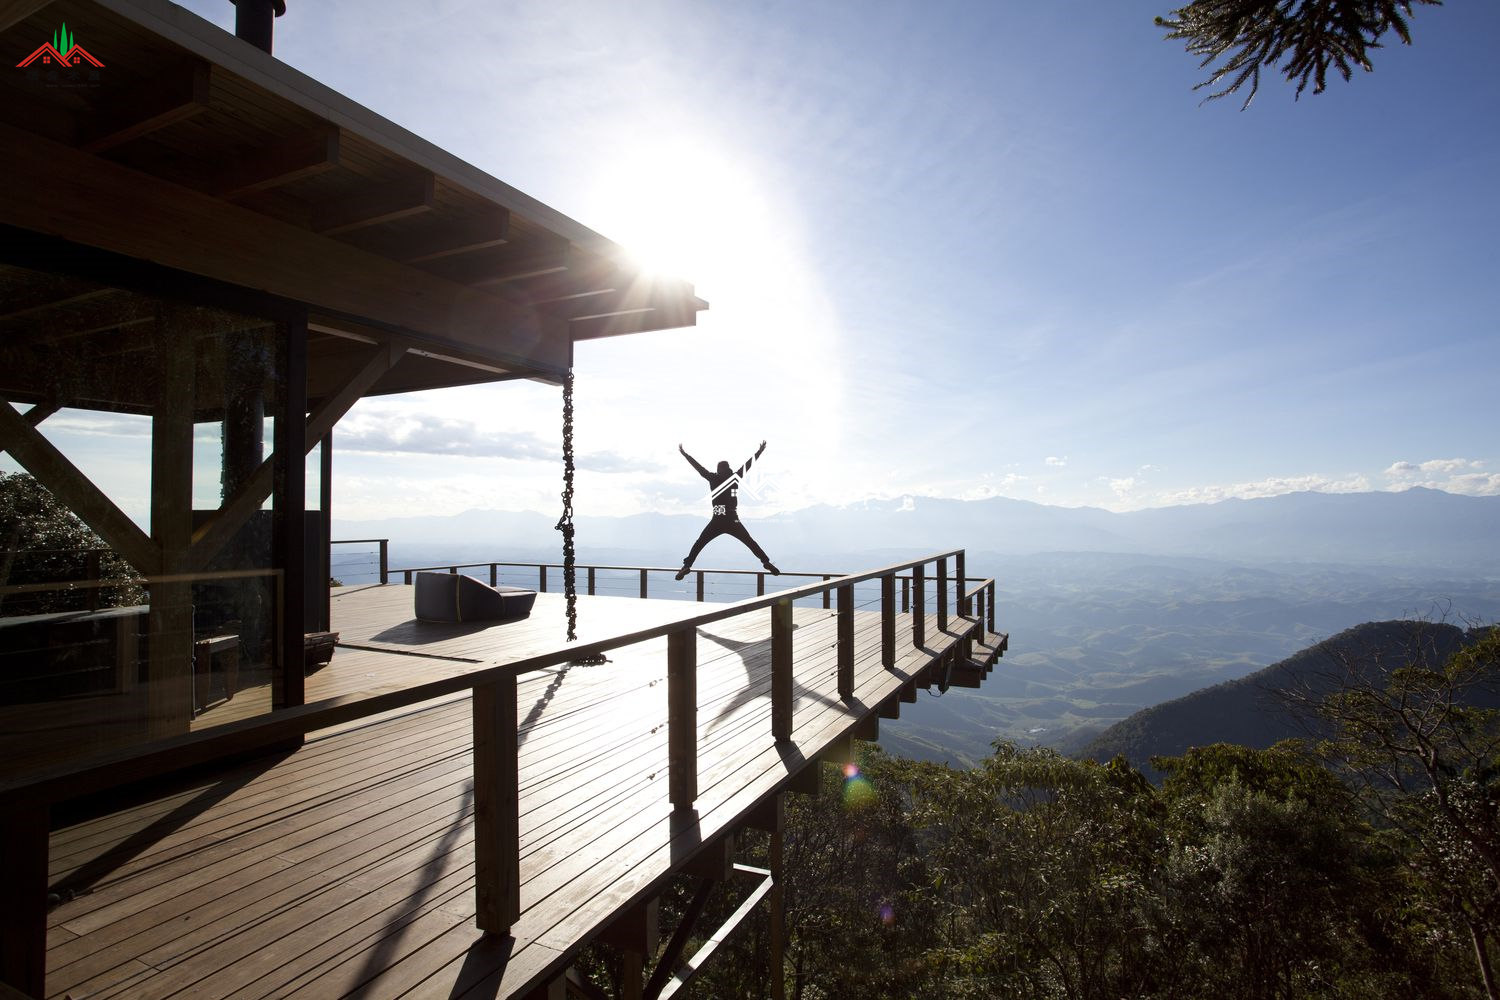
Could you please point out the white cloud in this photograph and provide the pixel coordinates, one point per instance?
(1056, 462)
(1452, 475)
(1270, 487)
(1123, 487)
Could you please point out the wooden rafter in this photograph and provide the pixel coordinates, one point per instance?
(52, 469)
(214, 534)
(290, 160)
(384, 203)
(481, 230)
(161, 101)
(507, 264)
(16, 11)
(634, 322)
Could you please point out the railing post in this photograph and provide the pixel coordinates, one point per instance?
(942, 594)
(407, 574)
(452, 570)
(591, 581)
(888, 621)
(682, 716)
(542, 576)
(781, 669)
(827, 596)
(497, 807)
(700, 586)
(918, 605)
(494, 574)
(905, 594)
(385, 561)
(991, 605)
(643, 583)
(23, 886)
(760, 585)
(963, 584)
(846, 641)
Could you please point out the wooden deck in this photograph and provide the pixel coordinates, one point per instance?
(347, 867)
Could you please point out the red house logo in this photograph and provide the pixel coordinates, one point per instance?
(63, 52)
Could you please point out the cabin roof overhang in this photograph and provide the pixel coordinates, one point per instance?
(198, 152)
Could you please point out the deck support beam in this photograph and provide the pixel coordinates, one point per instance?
(918, 607)
(781, 670)
(888, 622)
(682, 717)
(846, 641)
(497, 804)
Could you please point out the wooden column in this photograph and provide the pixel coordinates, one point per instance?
(169, 688)
(942, 594)
(827, 597)
(990, 606)
(781, 669)
(700, 586)
(497, 807)
(541, 578)
(760, 585)
(918, 607)
(591, 581)
(846, 641)
(289, 502)
(963, 584)
(643, 583)
(888, 621)
(682, 716)
(905, 594)
(23, 887)
(325, 505)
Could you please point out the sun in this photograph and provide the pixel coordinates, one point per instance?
(689, 210)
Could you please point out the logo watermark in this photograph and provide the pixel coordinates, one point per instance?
(62, 62)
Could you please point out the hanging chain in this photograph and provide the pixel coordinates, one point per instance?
(565, 523)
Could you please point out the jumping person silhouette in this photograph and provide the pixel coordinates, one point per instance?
(724, 490)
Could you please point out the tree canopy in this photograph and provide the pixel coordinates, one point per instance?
(1304, 38)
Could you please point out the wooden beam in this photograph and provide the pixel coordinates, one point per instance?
(478, 231)
(164, 99)
(682, 717)
(638, 929)
(292, 159)
(52, 469)
(512, 262)
(54, 189)
(15, 11)
(23, 886)
(384, 203)
(497, 797)
(637, 322)
(40, 412)
(714, 862)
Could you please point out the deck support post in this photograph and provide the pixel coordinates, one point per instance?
(827, 597)
(700, 586)
(23, 886)
(494, 574)
(942, 593)
(918, 606)
(760, 585)
(846, 641)
(591, 581)
(497, 807)
(963, 583)
(905, 594)
(542, 577)
(990, 605)
(385, 560)
(781, 670)
(643, 583)
(888, 622)
(682, 716)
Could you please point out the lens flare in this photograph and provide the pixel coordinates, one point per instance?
(857, 788)
(887, 914)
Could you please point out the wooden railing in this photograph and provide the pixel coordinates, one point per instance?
(383, 558)
(26, 804)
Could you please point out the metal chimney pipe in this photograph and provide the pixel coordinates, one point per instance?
(253, 20)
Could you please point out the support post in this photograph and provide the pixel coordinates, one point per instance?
(23, 886)
(497, 807)
(288, 502)
(643, 583)
(591, 581)
(169, 691)
(760, 585)
(781, 670)
(494, 574)
(682, 716)
(963, 584)
(990, 605)
(385, 562)
(325, 508)
(700, 586)
(919, 606)
(542, 578)
(827, 597)
(888, 621)
(942, 594)
(777, 900)
(846, 641)
(905, 594)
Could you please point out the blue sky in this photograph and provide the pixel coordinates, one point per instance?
(956, 249)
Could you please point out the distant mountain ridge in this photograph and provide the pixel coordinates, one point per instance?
(1248, 712)
(1414, 528)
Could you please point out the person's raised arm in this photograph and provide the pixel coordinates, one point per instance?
(746, 467)
(694, 463)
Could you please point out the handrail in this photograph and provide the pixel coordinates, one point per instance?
(385, 551)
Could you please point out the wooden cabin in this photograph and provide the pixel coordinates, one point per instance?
(199, 244)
